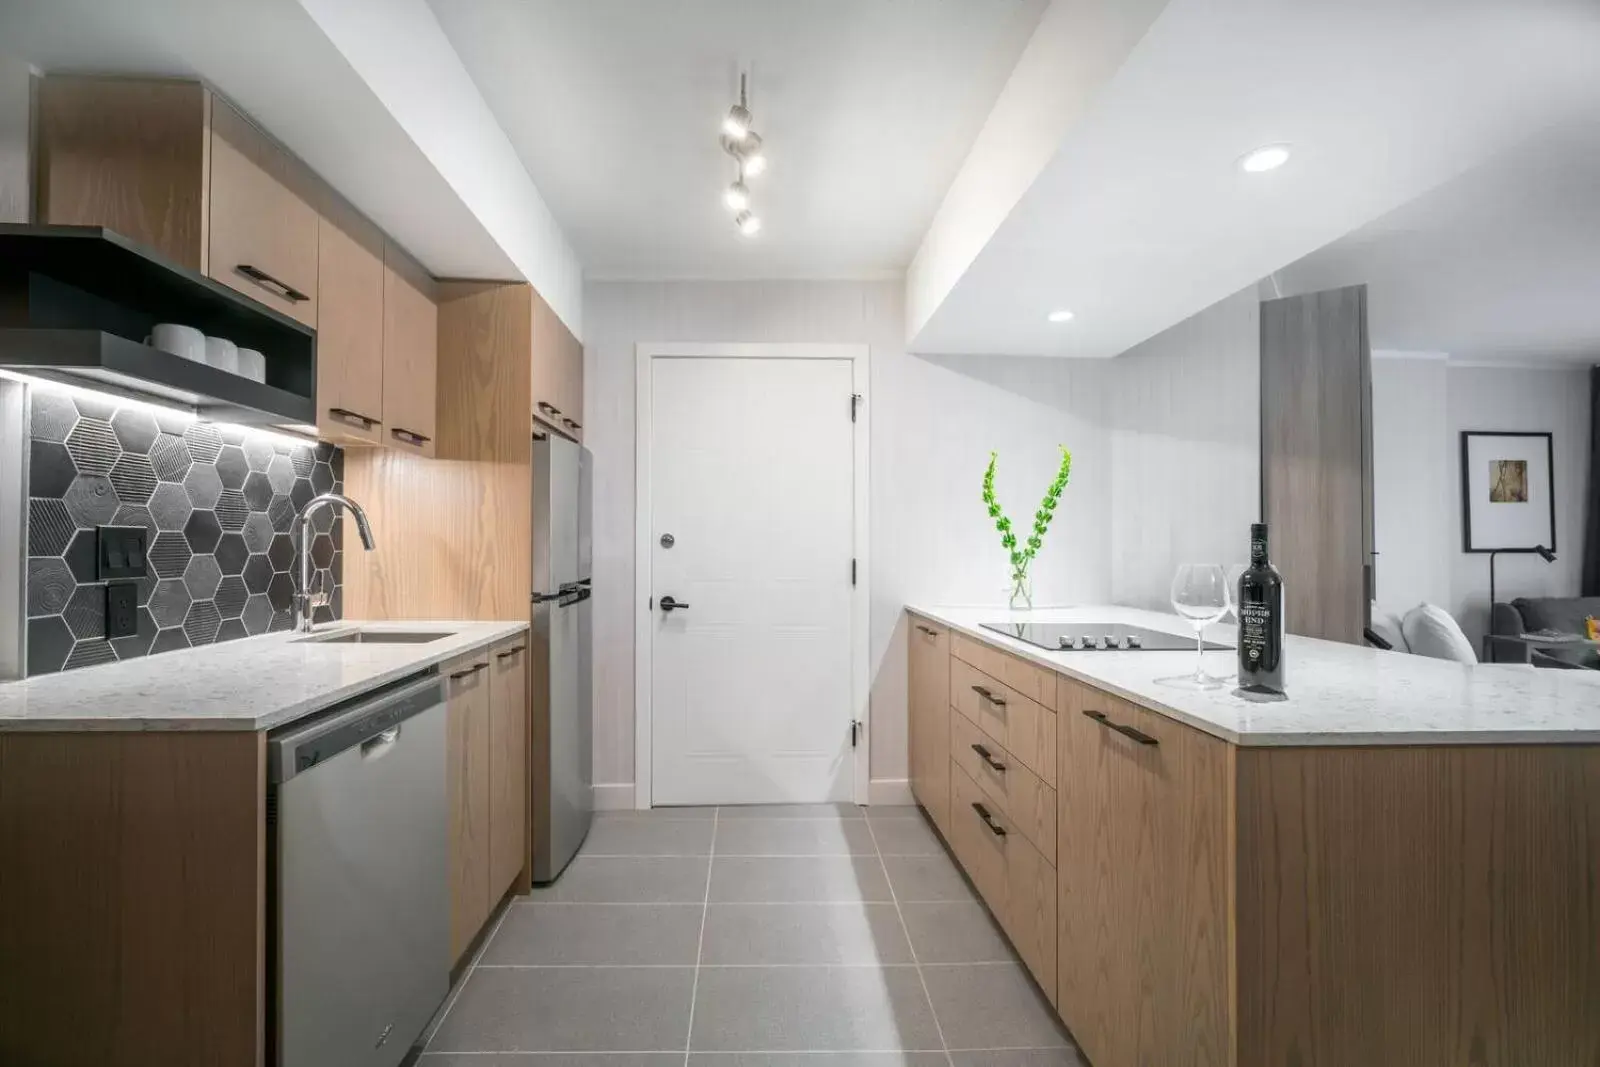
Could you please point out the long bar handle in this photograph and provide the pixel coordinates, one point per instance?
(267, 281)
(1126, 731)
(998, 702)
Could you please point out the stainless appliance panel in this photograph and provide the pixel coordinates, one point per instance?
(361, 854)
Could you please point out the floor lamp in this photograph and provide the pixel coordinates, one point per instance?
(1549, 557)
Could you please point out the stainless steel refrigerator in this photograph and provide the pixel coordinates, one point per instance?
(563, 731)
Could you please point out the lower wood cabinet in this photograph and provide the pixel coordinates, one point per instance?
(508, 763)
(928, 689)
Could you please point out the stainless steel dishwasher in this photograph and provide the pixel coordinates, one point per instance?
(359, 923)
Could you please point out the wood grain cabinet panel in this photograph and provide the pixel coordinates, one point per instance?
(508, 763)
(1036, 683)
(410, 354)
(1025, 727)
(468, 743)
(1017, 792)
(263, 237)
(929, 719)
(350, 287)
(557, 378)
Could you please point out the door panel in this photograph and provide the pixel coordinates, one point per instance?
(751, 469)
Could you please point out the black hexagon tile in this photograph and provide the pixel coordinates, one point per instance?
(51, 416)
(170, 458)
(202, 531)
(91, 500)
(218, 503)
(135, 428)
(93, 446)
(170, 506)
(50, 470)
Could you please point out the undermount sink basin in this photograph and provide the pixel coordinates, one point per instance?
(378, 637)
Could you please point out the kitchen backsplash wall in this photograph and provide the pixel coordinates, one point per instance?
(218, 503)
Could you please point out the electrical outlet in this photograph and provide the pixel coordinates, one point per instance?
(122, 609)
(121, 552)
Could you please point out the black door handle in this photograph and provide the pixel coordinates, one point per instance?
(267, 281)
(930, 631)
(988, 820)
(1126, 731)
(988, 757)
(998, 702)
(669, 604)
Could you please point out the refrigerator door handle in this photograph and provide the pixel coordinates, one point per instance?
(545, 598)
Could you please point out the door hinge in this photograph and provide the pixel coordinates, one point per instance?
(852, 570)
(855, 732)
(855, 401)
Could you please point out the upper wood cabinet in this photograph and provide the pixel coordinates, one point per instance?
(173, 166)
(928, 684)
(557, 372)
(350, 290)
(410, 354)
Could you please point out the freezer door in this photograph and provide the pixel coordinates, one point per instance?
(585, 513)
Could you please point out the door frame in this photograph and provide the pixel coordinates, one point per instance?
(645, 355)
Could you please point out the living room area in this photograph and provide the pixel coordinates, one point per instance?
(1483, 304)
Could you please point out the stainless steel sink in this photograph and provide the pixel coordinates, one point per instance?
(378, 637)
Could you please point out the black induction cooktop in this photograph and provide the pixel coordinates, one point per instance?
(1096, 637)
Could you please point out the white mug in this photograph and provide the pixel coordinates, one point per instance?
(222, 354)
(252, 364)
(185, 341)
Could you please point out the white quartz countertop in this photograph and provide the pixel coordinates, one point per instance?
(1337, 694)
(255, 683)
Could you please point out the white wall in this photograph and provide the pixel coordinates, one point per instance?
(15, 175)
(1186, 449)
(933, 425)
(1420, 407)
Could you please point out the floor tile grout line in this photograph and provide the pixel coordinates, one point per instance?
(727, 966)
(700, 950)
(921, 979)
(740, 1052)
(466, 975)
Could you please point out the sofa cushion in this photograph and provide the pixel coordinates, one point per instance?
(1386, 624)
(1430, 631)
(1561, 614)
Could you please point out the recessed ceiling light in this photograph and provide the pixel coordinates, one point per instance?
(749, 224)
(1063, 315)
(1267, 157)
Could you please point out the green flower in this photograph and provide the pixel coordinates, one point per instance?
(1041, 518)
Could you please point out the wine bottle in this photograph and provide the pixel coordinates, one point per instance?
(1260, 620)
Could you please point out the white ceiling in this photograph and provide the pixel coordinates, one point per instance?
(1142, 217)
(1503, 263)
(867, 107)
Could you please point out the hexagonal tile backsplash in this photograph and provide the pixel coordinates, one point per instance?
(218, 504)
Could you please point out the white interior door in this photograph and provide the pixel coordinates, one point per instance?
(752, 480)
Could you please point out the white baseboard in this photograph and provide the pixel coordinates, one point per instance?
(613, 796)
(890, 791)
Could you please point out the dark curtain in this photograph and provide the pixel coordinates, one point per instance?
(1591, 540)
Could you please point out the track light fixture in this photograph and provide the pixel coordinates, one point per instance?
(740, 140)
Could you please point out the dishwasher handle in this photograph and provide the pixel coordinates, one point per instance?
(372, 719)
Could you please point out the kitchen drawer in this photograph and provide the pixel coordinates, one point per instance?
(1032, 681)
(1012, 876)
(1026, 728)
(1016, 791)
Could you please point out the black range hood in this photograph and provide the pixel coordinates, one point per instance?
(77, 302)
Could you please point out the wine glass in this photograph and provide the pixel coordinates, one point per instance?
(1200, 594)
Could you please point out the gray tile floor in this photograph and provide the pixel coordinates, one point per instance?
(823, 936)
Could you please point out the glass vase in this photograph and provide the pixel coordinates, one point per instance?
(1021, 590)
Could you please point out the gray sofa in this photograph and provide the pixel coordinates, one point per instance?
(1528, 614)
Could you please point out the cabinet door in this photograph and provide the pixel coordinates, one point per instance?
(468, 748)
(349, 331)
(263, 227)
(928, 685)
(1143, 854)
(557, 372)
(410, 354)
(571, 382)
(508, 764)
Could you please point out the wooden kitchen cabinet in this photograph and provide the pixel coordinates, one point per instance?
(350, 348)
(1145, 910)
(928, 690)
(557, 377)
(469, 743)
(410, 354)
(175, 167)
(263, 235)
(508, 763)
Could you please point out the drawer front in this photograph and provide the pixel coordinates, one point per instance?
(1036, 683)
(1015, 790)
(1026, 728)
(1012, 876)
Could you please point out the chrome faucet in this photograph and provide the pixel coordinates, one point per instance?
(304, 608)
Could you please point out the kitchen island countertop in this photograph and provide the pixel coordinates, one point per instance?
(1338, 694)
(255, 683)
